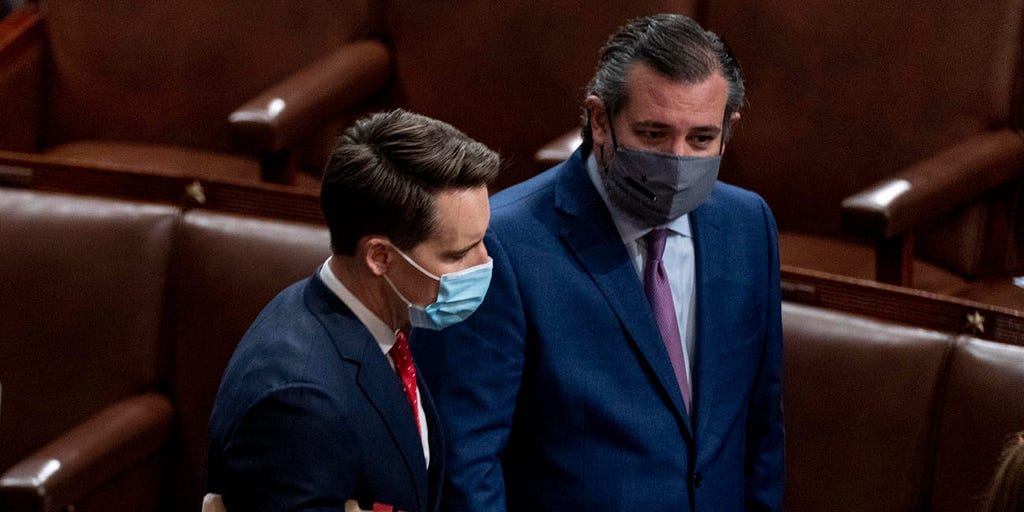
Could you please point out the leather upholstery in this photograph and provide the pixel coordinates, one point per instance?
(883, 122)
(172, 73)
(866, 90)
(864, 444)
(117, 318)
(82, 295)
(513, 78)
(885, 417)
(975, 416)
(225, 269)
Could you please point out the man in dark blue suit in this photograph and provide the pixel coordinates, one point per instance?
(320, 407)
(628, 355)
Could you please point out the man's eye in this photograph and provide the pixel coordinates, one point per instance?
(703, 140)
(648, 134)
(456, 257)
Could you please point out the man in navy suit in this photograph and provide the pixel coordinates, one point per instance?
(320, 407)
(628, 355)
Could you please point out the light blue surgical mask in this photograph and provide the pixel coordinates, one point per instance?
(458, 296)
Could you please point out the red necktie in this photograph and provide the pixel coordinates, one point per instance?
(407, 372)
(660, 296)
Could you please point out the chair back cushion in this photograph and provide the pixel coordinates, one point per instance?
(859, 398)
(81, 303)
(226, 268)
(171, 72)
(984, 405)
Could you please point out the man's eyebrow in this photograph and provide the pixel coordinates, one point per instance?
(649, 124)
(710, 129)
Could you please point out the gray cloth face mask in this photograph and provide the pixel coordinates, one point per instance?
(656, 188)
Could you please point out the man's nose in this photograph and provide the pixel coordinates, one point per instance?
(681, 147)
(480, 255)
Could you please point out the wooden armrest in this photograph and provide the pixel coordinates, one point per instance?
(104, 446)
(952, 178)
(889, 211)
(343, 79)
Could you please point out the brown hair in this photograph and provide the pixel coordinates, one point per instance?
(383, 174)
(1007, 491)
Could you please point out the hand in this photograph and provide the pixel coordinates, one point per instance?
(353, 506)
(213, 503)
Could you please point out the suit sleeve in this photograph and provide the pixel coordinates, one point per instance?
(289, 451)
(473, 370)
(765, 432)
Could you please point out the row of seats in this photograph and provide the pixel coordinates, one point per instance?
(117, 319)
(881, 134)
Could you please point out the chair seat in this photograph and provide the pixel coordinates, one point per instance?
(169, 160)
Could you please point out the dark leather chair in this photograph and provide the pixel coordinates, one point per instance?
(977, 419)
(896, 123)
(859, 397)
(82, 307)
(886, 137)
(233, 90)
(882, 416)
(225, 270)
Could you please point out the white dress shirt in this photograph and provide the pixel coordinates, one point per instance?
(678, 260)
(384, 335)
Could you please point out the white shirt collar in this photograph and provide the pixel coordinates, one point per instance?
(629, 228)
(384, 335)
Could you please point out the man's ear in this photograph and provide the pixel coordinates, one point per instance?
(375, 252)
(729, 130)
(598, 114)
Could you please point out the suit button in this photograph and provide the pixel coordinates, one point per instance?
(697, 480)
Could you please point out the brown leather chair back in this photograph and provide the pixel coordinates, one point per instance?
(225, 270)
(81, 302)
(509, 74)
(860, 396)
(842, 95)
(984, 405)
(171, 72)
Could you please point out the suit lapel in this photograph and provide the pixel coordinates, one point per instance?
(588, 231)
(710, 266)
(376, 379)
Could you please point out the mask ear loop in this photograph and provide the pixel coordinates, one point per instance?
(611, 128)
(725, 131)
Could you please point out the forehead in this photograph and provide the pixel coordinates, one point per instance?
(461, 217)
(655, 98)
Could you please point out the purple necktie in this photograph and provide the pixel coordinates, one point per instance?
(660, 296)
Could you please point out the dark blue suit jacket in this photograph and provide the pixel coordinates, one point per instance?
(557, 394)
(310, 414)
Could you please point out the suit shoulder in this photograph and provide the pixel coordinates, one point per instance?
(737, 199)
(536, 188)
(735, 193)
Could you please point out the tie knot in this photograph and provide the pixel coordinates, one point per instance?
(400, 350)
(656, 243)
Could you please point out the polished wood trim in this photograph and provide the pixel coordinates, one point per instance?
(903, 305)
(47, 173)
